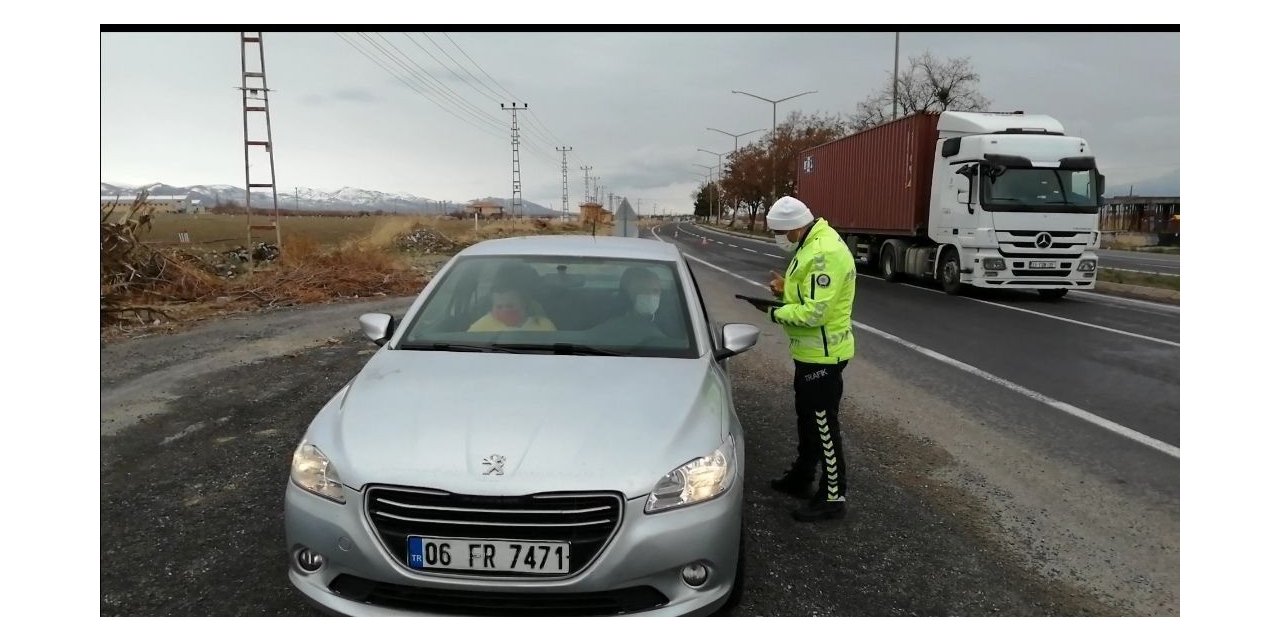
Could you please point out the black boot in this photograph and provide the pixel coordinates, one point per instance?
(820, 508)
(793, 483)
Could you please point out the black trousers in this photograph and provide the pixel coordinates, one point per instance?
(819, 388)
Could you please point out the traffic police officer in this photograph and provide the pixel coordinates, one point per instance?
(816, 312)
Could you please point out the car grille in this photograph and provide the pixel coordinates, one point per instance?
(585, 520)
(490, 603)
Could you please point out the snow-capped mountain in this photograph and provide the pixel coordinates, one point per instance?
(306, 199)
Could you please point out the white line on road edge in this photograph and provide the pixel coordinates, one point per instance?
(1091, 418)
(751, 250)
(1083, 324)
(1129, 301)
(1150, 273)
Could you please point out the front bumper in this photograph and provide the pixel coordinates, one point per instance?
(1018, 274)
(647, 551)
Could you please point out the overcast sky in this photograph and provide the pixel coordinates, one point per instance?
(635, 106)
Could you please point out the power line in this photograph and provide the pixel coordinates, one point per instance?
(483, 90)
(486, 73)
(447, 92)
(406, 83)
(548, 136)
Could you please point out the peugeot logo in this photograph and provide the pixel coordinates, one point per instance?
(493, 465)
(1044, 240)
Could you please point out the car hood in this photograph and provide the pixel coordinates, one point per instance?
(431, 419)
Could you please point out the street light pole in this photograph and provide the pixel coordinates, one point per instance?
(719, 175)
(773, 139)
(895, 75)
(736, 203)
(712, 199)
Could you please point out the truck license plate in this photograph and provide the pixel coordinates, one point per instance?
(1043, 264)
(488, 555)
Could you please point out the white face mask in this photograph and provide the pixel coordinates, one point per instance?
(647, 303)
(783, 242)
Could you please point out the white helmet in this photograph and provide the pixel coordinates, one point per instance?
(787, 214)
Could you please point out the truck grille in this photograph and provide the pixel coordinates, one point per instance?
(585, 520)
(1022, 244)
(491, 603)
(1051, 273)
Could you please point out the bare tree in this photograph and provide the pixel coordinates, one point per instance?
(927, 84)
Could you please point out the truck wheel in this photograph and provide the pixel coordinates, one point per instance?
(886, 264)
(1051, 294)
(951, 272)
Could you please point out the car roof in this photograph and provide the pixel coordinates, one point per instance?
(576, 245)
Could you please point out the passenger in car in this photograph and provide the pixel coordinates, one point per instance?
(640, 294)
(512, 307)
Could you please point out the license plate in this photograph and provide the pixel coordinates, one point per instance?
(1043, 264)
(488, 555)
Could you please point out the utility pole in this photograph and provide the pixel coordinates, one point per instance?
(296, 207)
(895, 74)
(515, 156)
(773, 140)
(586, 184)
(611, 201)
(564, 182)
(595, 183)
(253, 96)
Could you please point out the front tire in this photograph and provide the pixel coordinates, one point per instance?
(951, 272)
(1051, 294)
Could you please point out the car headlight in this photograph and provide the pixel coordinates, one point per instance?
(993, 264)
(1088, 265)
(695, 481)
(313, 472)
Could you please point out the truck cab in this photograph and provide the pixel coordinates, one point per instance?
(1014, 204)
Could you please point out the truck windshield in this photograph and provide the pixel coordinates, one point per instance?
(1041, 189)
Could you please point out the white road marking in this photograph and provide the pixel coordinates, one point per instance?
(1073, 410)
(751, 250)
(1150, 273)
(732, 245)
(1102, 297)
(1083, 324)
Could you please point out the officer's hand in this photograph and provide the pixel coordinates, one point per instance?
(776, 284)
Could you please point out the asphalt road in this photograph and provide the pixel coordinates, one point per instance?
(1161, 263)
(968, 497)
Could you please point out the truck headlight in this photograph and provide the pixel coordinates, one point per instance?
(993, 264)
(1088, 265)
(698, 480)
(313, 472)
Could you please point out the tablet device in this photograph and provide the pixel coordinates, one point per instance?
(768, 302)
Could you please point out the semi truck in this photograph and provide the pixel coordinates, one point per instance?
(989, 200)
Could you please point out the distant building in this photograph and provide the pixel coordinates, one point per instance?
(594, 213)
(159, 204)
(486, 209)
(1143, 215)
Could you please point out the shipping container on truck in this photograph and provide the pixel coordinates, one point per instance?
(992, 200)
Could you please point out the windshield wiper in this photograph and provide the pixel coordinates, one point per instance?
(453, 346)
(562, 348)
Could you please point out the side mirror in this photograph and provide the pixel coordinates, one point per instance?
(378, 327)
(736, 339)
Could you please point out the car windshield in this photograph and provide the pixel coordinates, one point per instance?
(1047, 189)
(555, 305)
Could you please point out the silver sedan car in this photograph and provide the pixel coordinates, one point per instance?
(549, 430)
